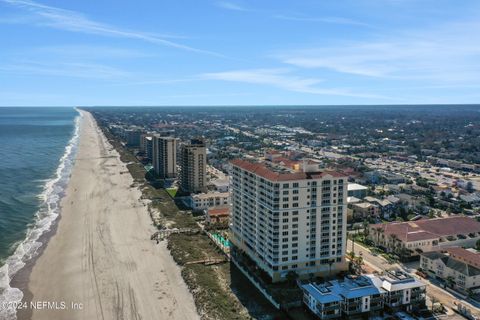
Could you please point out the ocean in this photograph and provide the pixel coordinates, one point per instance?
(37, 150)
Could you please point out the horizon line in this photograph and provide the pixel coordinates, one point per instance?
(246, 105)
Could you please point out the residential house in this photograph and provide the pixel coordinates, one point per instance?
(458, 267)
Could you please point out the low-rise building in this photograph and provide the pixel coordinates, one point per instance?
(385, 207)
(354, 296)
(221, 185)
(402, 291)
(217, 215)
(458, 267)
(362, 210)
(202, 201)
(364, 295)
(357, 190)
(412, 238)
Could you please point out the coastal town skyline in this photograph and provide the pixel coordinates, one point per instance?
(240, 160)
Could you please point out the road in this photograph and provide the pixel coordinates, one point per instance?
(434, 292)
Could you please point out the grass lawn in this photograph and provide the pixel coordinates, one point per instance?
(172, 192)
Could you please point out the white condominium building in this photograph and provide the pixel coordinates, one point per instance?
(164, 155)
(289, 220)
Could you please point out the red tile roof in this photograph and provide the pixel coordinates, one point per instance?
(430, 228)
(261, 170)
(465, 255)
(219, 212)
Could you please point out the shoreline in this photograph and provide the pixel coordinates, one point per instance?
(110, 271)
(43, 228)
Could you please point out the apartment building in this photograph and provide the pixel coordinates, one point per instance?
(289, 220)
(352, 297)
(415, 237)
(164, 154)
(193, 175)
(132, 137)
(458, 267)
(202, 201)
(365, 295)
(402, 291)
(146, 145)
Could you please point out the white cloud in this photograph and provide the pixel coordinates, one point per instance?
(230, 6)
(65, 69)
(76, 22)
(283, 79)
(446, 53)
(332, 20)
(89, 52)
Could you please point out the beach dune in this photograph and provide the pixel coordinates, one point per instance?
(100, 263)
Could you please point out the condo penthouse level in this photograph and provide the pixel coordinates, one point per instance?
(289, 219)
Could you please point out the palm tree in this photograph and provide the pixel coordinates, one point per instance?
(330, 262)
(450, 281)
(365, 228)
(378, 230)
(358, 261)
(351, 255)
(394, 242)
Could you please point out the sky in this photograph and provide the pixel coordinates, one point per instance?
(245, 52)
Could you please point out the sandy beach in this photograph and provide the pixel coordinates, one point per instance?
(101, 262)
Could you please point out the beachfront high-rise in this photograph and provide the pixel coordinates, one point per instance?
(289, 219)
(165, 156)
(193, 160)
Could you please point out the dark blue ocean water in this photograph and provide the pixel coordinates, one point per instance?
(32, 141)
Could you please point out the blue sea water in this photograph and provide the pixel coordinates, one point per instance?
(37, 148)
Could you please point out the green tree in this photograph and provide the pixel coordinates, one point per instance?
(291, 277)
(470, 187)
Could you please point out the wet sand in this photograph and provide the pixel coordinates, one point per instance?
(100, 263)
